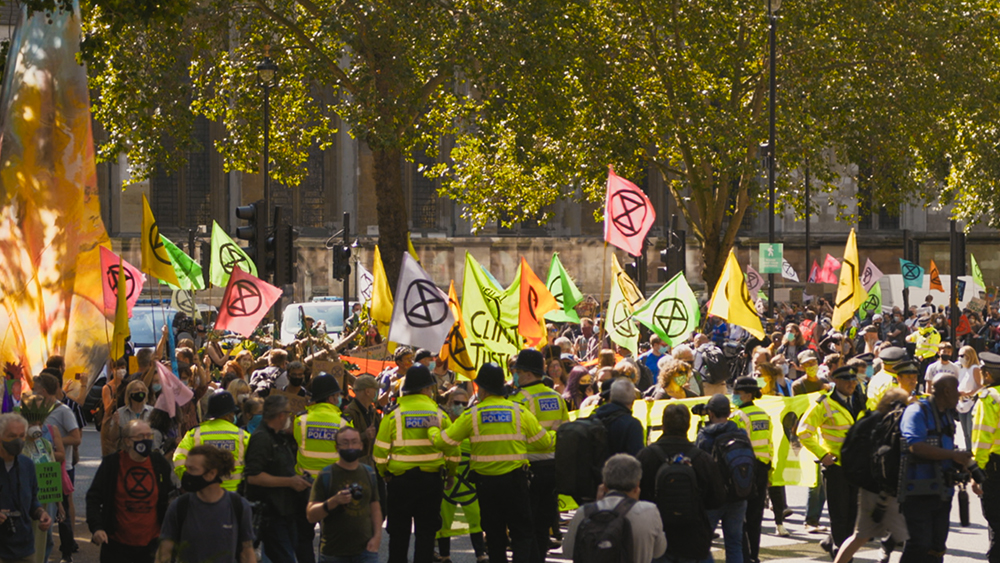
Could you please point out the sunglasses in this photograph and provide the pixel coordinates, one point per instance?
(460, 404)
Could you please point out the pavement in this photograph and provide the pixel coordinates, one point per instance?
(965, 545)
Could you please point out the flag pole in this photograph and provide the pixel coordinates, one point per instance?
(600, 304)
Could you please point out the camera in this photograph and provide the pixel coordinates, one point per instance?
(7, 528)
(357, 492)
(978, 475)
(701, 409)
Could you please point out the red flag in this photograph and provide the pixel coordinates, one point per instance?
(173, 393)
(935, 276)
(246, 301)
(536, 300)
(109, 280)
(814, 273)
(628, 214)
(828, 273)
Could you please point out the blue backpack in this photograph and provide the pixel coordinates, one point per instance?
(734, 455)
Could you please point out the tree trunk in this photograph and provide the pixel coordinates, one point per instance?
(391, 206)
(715, 258)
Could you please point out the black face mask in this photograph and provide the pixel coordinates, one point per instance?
(350, 455)
(296, 381)
(138, 397)
(945, 357)
(194, 483)
(14, 447)
(143, 447)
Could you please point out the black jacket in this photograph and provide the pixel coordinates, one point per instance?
(625, 434)
(693, 541)
(101, 494)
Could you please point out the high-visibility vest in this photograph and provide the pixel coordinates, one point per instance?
(985, 420)
(402, 442)
(219, 433)
(315, 432)
(824, 426)
(548, 407)
(927, 340)
(757, 425)
(500, 433)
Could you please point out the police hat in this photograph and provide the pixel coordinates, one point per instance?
(422, 354)
(221, 404)
(747, 384)
(324, 386)
(530, 360)
(924, 319)
(845, 373)
(418, 377)
(892, 354)
(990, 361)
(870, 328)
(491, 378)
(907, 368)
(867, 357)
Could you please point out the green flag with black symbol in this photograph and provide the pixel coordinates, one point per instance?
(672, 312)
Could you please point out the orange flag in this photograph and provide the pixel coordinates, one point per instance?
(935, 278)
(536, 300)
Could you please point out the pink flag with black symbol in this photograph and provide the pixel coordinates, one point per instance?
(245, 303)
(829, 272)
(109, 280)
(628, 214)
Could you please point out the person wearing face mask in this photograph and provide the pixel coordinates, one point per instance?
(271, 479)
(810, 382)
(657, 349)
(315, 431)
(413, 467)
(757, 424)
(361, 411)
(136, 408)
(672, 383)
(944, 364)
(345, 500)
(220, 432)
(128, 498)
(208, 524)
(296, 379)
(18, 493)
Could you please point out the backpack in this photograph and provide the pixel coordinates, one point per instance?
(714, 367)
(856, 455)
(581, 450)
(733, 452)
(887, 449)
(678, 496)
(605, 536)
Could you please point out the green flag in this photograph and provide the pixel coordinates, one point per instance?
(565, 291)
(977, 274)
(672, 312)
(491, 315)
(225, 255)
(618, 322)
(188, 271)
(873, 303)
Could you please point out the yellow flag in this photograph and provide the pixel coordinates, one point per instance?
(410, 249)
(731, 299)
(381, 311)
(121, 317)
(851, 295)
(455, 350)
(155, 259)
(630, 290)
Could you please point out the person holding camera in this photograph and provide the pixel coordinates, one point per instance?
(271, 479)
(345, 500)
(926, 487)
(18, 494)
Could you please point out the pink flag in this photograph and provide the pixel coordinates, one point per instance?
(814, 273)
(246, 301)
(828, 273)
(628, 214)
(755, 282)
(109, 280)
(173, 393)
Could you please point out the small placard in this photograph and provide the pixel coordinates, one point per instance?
(49, 482)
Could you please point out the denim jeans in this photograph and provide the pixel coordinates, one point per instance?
(363, 557)
(731, 514)
(927, 522)
(279, 536)
(816, 500)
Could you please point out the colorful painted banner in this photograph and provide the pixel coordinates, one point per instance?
(490, 315)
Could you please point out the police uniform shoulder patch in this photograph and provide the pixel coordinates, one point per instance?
(321, 433)
(496, 416)
(548, 404)
(419, 421)
(762, 424)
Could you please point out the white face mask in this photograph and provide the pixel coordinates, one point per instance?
(288, 422)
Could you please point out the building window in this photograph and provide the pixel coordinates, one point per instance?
(873, 216)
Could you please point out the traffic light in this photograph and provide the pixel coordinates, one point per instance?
(632, 269)
(663, 272)
(281, 251)
(255, 233)
(341, 261)
(673, 257)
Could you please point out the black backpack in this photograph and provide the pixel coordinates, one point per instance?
(714, 367)
(678, 495)
(581, 450)
(856, 455)
(605, 536)
(887, 449)
(733, 452)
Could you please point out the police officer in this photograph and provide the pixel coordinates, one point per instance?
(501, 433)
(757, 425)
(315, 431)
(822, 431)
(220, 432)
(413, 467)
(550, 410)
(986, 447)
(882, 381)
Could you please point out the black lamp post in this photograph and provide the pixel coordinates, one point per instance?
(266, 74)
(772, 10)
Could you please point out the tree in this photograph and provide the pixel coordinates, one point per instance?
(905, 90)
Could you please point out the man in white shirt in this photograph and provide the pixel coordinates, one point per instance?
(944, 363)
(621, 474)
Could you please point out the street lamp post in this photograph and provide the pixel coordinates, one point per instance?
(266, 72)
(772, 9)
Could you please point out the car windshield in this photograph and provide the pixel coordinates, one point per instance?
(147, 323)
(332, 314)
